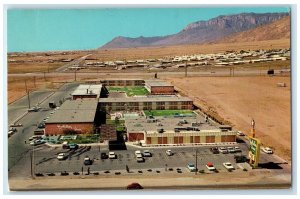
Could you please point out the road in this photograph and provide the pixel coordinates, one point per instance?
(124, 74)
(74, 62)
(17, 148)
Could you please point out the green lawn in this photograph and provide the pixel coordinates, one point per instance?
(130, 91)
(120, 124)
(168, 112)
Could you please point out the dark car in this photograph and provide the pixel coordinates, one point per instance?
(134, 185)
(214, 150)
(41, 125)
(73, 146)
(104, 156)
(87, 161)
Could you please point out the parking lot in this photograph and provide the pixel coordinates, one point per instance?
(46, 161)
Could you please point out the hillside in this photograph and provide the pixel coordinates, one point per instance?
(280, 29)
(200, 32)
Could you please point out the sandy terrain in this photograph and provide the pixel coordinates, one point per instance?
(238, 99)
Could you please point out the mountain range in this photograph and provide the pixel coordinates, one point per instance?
(210, 31)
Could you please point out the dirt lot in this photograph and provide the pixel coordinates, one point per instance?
(239, 99)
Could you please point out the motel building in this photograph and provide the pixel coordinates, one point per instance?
(177, 131)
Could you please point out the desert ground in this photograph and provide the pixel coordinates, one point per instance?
(236, 100)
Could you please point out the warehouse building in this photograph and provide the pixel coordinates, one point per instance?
(145, 103)
(176, 131)
(87, 91)
(156, 87)
(73, 117)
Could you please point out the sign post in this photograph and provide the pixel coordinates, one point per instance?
(254, 152)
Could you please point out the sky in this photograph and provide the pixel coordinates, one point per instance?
(30, 30)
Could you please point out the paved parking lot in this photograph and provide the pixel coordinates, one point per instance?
(46, 161)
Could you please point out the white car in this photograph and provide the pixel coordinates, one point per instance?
(34, 137)
(36, 142)
(112, 155)
(237, 149)
(210, 166)
(61, 156)
(140, 159)
(137, 152)
(191, 167)
(267, 150)
(147, 153)
(240, 133)
(223, 150)
(228, 166)
(169, 152)
(230, 149)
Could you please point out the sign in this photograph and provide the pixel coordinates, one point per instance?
(254, 151)
(253, 146)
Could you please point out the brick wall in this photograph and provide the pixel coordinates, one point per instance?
(162, 90)
(135, 137)
(61, 129)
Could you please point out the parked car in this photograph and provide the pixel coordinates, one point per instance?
(267, 150)
(191, 167)
(210, 166)
(73, 146)
(112, 155)
(237, 149)
(134, 185)
(147, 153)
(87, 161)
(41, 125)
(35, 137)
(65, 145)
(139, 158)
(104, 156)
(137, 152)
(36, 142)
(62, 156)
(230, 149)
(34, 109)
(240, 158)
(214, 150)
(223, 150)
(228, 166)
(169, 152)
(240, 133)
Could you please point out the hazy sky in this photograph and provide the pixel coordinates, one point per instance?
(78, 29)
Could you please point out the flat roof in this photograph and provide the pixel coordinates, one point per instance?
(140, 123)
(75, 111)
(157, 83)
(88, 89)
(146, 99)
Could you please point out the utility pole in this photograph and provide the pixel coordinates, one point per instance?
(75, 74)
(45, 76)
(28, 99)
(25, 85)
(186, 69)
(196, 161)
(31, 169)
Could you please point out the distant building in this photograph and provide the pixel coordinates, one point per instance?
(156, 87)
(87, 91)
